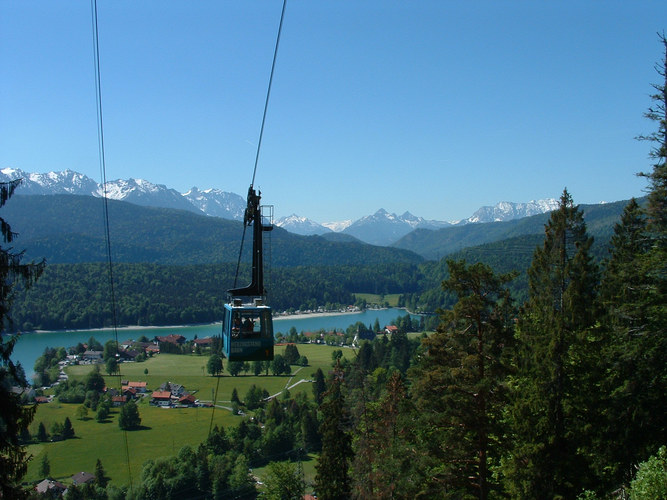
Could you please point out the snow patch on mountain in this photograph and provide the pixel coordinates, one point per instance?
(381, 228)
(212, 202)
(507, 210)
(384, 228)
(301, 225)
(338, 227)
(217, 203)
(65, 182)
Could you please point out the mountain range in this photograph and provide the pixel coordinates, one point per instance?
(382, 228)
(213, 202)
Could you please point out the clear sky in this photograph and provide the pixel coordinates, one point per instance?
(432, 107)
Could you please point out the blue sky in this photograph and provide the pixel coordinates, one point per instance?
(432, 107)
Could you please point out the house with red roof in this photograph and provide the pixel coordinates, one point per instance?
(187, 400)
(161, 398)
(172, 339)
(137, 386)
(118, 400)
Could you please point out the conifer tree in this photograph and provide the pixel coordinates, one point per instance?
(319, 385)
(235, 396)
(14, 416)
(385, 454)
(460, 383)
(42, 435)
(333, 479)
(550, 408)
(623, 300)
(634, 298)
(68, 430)
(45, 466)
(652, 344)
(100, 475)
(657, 198)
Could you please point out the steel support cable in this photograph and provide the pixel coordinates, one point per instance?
(261, 129)
(254, 172)
(103, 176)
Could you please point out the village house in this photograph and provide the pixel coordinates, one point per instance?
(128, 344)
(187, 400)
(53, 488)
(203, 343)
(129, 354)
(153, 349)
(161, 398)
(118, 400)
(172, 339)
(129, 392)
(82, 478)
(92, 356)
(390, 329)
(176, 390)
(140, 387)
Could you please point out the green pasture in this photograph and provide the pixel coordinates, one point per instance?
(164, 431)
(374, 298)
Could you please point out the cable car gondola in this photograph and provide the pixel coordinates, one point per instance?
(247, 325)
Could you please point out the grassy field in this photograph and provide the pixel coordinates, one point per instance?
(372, 298)
(164, 431)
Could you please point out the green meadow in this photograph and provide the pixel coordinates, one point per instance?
(380, 300)
(164, 431)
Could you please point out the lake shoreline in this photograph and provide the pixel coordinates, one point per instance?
(281, 316)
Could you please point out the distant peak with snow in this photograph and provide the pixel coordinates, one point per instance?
(301, 225)
(507, 210)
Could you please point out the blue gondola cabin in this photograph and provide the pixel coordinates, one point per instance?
(247, 332)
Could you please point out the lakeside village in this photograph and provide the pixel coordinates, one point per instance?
(50, 368)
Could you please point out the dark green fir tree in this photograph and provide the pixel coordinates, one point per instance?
(634, 301)
(460, 384)
(14, 416)
(333, 480)
(551, 409)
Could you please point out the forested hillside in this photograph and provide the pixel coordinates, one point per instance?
(78, 296)
(70, 229)
(174, 267)
(434, 245)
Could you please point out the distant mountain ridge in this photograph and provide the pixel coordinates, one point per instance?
(67, 229)
(212, 202)
(302, 225)
(382, 228)
(506, 210)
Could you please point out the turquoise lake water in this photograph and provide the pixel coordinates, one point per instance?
(31, 345)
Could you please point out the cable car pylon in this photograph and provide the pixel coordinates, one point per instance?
(247, 324)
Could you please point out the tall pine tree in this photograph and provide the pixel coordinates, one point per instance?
(619, 441)
(460, 380)
(550, 411)
(14, 417)
(333, 478)
(634, 300)
(385, 459)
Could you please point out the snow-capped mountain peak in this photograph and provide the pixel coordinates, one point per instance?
(381, 228)
(507, 210)
(301, 225)
(339, 226)
(65, 182)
